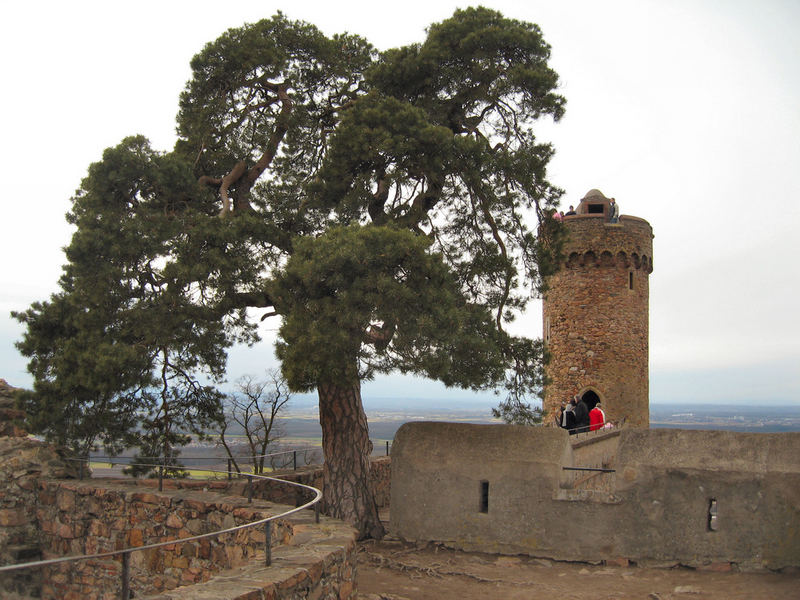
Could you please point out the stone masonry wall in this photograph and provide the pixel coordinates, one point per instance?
(319, 564)
(596, 317)
(92, 517)
(23, 461)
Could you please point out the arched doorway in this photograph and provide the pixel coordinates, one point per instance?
(590, 398)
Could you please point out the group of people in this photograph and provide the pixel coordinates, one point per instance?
(575, 416)
(613, 212)
(560, 214)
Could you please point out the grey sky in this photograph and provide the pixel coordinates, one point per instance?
(687, 111)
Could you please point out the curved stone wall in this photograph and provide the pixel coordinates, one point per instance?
(596, 317)
(96, 516)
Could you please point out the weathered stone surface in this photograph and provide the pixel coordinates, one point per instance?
(57, 518)
(10, 415)
(23, 462)
(656, 515)
(596, 317)
(127, 517)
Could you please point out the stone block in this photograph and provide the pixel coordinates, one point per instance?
(135, 538)
(617, 562)
(716, 567)
(12, 517)
(346, 590)
(174, 521)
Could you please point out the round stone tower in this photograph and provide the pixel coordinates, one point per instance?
(596, 316)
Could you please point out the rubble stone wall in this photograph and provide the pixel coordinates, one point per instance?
(596, 317)
(23, 462)
(88, 517)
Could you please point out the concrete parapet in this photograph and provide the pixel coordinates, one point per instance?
(692, 498)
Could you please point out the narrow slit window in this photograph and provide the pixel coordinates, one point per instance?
(630, 280)
(484, 497)
(712, 515)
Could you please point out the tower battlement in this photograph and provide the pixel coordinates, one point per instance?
(596, 314)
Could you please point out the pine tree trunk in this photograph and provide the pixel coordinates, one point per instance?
(346, 445)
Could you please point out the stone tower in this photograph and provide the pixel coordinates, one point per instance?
(596, 315)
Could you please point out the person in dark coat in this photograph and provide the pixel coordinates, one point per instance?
(581, 416)
(568, 417)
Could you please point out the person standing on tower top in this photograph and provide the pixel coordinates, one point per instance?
(613, 211)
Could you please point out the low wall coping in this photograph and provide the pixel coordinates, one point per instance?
(296, 566)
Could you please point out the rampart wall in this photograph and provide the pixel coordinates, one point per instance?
(498, 488)
(94, 517)
(75, 518)
(50, 518)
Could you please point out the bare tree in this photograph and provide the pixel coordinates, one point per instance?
(254, 408)
(301, 456)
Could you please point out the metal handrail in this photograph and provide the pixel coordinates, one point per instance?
(206, 458)
(162, 466)
(601, 470)
(126, 552)
(91, 457)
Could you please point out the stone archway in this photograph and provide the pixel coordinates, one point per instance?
(590, 398)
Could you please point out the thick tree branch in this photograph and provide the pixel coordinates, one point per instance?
(489, 218)
(379, 199)
(423, 202)
(240, 180)
(238, 300)
(380, 336)
(281, 127)
(227, 181)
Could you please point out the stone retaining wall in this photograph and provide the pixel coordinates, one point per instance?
(319, 563)
(92, 517)
(23, 462)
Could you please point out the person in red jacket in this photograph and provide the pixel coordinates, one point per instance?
(597, 418)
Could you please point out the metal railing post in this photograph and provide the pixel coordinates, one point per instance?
(249, 489)
(268, 542)
(294, 460)
(387, 447)
(160, 478)
(125, 592)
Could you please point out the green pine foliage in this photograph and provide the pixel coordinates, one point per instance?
(391, 209)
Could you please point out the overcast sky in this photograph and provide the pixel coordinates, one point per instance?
(687, 111)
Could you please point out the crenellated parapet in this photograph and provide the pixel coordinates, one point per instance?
(592, 239)
(606, 258)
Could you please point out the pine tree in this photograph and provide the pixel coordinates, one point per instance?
(379, 204)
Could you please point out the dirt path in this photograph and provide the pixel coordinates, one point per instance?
(392, 570)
